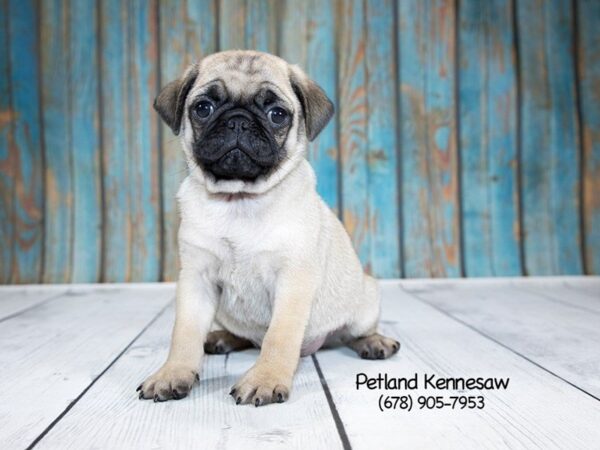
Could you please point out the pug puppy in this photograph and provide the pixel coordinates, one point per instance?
(264, 261)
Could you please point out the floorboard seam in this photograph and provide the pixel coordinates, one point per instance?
(89, 386)
(555, 300)
(35, 305)
(481, 333)
(334, 412)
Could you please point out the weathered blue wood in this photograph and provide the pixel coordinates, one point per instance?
(143, 144)
(187, 33)
(382, 143)
(56, 95)
(232, 24)
(550, 147)
(428, 139)
(51, 193)
(352, 80)
(261, 25)
(6, 155)
(173, 31)
(201, 30)
(488, 139)
(28, 169)
(85, 142)
(113, 89)
(294, 33)
(589, 93)
(321, 65)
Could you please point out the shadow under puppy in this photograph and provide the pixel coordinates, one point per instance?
(264, 261)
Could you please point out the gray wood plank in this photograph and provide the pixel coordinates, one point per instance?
(578, 291)
(111, 416)
(20, 298)
(536, 322)
(589, 285)
(51, 353)
(536, 410)
(569, 293)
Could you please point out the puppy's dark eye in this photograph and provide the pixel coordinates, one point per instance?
(204, 109)
(278, 115)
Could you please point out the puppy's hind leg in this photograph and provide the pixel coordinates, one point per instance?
(374, 346)
(220, 342)
(362, 336)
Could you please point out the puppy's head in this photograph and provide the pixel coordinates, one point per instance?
(244, 117)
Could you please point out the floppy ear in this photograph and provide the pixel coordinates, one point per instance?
(171, 99)
(316, 106)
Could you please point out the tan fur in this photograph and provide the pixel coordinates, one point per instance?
(265, 260)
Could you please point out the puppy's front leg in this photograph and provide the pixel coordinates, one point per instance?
(270, 379)
(195, 311)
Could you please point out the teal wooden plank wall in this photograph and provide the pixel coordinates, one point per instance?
(466, 140)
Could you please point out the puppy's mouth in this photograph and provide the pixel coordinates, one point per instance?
(236, 147)
(236, 164)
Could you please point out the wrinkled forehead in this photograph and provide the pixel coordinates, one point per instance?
(244, 73)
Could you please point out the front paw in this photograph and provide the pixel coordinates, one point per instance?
(261, 386)
(170, 382)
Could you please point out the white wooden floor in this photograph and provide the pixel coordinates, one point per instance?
(72, 356)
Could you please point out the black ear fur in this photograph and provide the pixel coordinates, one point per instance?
(171, 100)
(316, 106)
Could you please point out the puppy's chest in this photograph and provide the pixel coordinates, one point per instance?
(247, 277)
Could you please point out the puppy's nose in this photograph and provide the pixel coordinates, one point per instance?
(237, 123)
